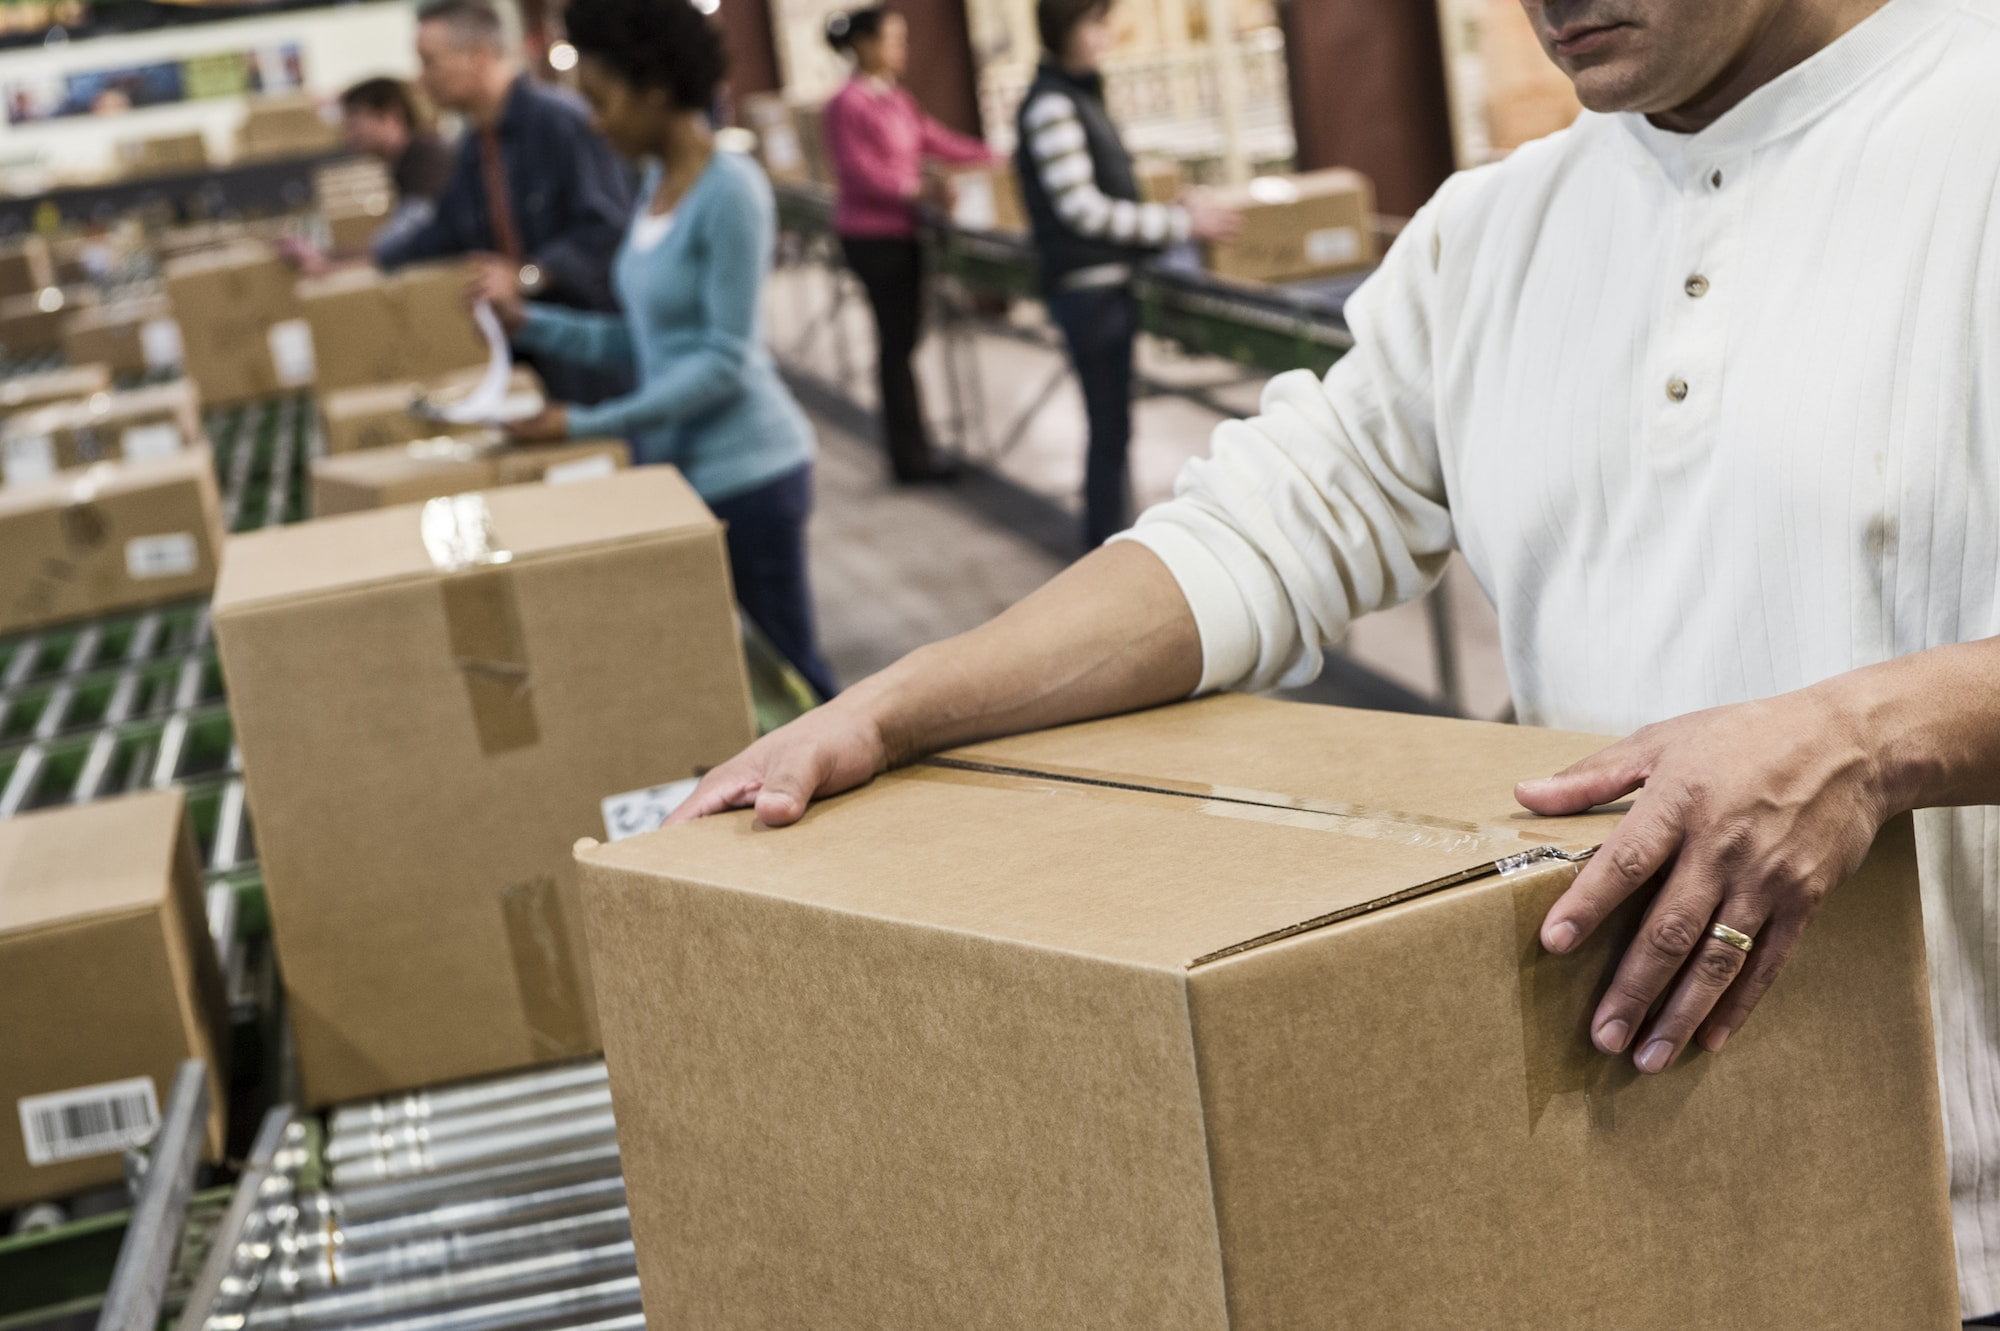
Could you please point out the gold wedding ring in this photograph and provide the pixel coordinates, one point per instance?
(1736, 938)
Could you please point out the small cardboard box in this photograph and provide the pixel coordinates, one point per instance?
(134, 425)
(371, 328)
(292, 125)
(1234, 1014)
(377, 415)
(243, 332)
(778, 144)
(25, 267)
(986, 198)
(19, 392)
(112, 981)
(132, 336)
(1296, 227)
(1160, 180)
(32, 325)
(163, 154)
(532, 651)
(111, 536)
(426, 468)
(351, 223)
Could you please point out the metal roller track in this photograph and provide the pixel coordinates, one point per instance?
(433, 1133)
(451, 1100)
(522, 1275)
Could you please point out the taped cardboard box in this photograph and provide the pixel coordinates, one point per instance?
(426, 468)
(378, 415)
(32, 325)
(111, 536)
(132, 336)
(19, 392)
(1319, 224)
(1234, 1015)
(243, 332)
(134, 425)
(25, 267)
(370, 327)
(111, 982)
(414, 824)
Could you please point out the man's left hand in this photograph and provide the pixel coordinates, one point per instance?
(546, 426)
(1753, 813)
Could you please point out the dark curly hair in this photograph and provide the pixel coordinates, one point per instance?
(666, 44)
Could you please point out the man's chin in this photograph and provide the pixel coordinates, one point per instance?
(1608, 87)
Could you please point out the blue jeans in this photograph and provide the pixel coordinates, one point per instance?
(1100, 325)
(767, 559)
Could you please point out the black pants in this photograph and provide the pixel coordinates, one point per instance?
(767, 560)
(1100, 324)
(892, 273)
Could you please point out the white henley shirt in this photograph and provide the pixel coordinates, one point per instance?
(1711, 417)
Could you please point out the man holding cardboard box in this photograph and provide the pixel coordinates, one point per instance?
(1702, 401)
(533, 183)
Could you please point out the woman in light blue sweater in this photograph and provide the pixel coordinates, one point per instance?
(689, 276)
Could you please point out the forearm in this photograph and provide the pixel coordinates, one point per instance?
(1931, 722)
(1110, 634)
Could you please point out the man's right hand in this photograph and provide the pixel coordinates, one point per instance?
(826, 751)
(497, 281)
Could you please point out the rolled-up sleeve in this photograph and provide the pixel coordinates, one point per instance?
(1327, 504)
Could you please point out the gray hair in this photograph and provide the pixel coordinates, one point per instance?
(471, 22)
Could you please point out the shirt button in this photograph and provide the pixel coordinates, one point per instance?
(1715, 181)
(1696, 287)
(1677, 389)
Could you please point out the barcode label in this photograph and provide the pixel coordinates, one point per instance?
(160, 343)
(168, 556)
(291, 344)
(639, 811)
(1333, 245)
(28, 459)
(150, 443)
(582, 469)
(90, 1120)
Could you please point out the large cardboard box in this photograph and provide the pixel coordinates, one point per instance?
(25, 266)
(19, 392)
(1319, 224)
(1234, 1015)
(426, 468)
(370, 327)
(243, 331)
(529, 652)
(137, 335)
(135, 425)
(111, 536)
(32, 325)
(377, 415)
(111, 982)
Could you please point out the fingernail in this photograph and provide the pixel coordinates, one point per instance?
(1612, 1035)
(1563, 937)
(1718, 1038)
(1655, 1055)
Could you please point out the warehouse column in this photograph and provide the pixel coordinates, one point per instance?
(1368, 91)
(942, 75)
(753, 51)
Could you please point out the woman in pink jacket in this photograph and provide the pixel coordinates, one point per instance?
(880, 139)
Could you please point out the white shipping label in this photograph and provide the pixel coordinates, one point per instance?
(160, 343)
(582, 469)
(974, 207)
(1333, 245)
(781, 149)
(150, 443)
(639, 811)
(28, 459)
(291, 345)
(90, 1120)
(171, 555)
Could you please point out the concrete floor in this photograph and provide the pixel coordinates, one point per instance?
(894, 569)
